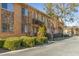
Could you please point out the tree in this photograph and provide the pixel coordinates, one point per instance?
(61, 9)
(41, 31)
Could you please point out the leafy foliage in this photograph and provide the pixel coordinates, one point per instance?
(12, 43)
(61, 9)
(41, 31)
(41, 40)
(2, 42)
(28, 41)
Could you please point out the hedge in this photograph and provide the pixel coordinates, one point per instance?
(41, 40)
(12, 43)
(28, 41)
(2, 42)
(32, 41)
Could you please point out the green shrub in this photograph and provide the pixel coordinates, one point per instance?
(41, 40)
(23, 37)
(28, 41)
(12, 43)
(41, 31)
(2, 43)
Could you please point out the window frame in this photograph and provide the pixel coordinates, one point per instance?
(2, 5)
(25, 20)
(7, 7)
(25, 12)
(8, 21)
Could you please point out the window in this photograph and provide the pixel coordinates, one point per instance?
(7, 22)
(43, 19)
(4, 27)
(8, 6)
(4, 5)
(36, 16)
(24, 20)
(24, 11)
(4, 23)
(11, 23)
(24, 28)
(48, 23)
(45, 22)
(33, 15)
(0, 5)
(39, 17)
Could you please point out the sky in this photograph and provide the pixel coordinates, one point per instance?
(40, 6)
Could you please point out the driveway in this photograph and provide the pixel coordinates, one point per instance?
(67, 47)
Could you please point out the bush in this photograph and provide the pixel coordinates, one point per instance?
(12, 43)
(28, 41)
(41, 40)
(41, 31)
(2, 43)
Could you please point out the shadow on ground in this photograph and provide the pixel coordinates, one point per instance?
(60, 38)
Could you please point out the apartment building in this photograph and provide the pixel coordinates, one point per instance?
(75, 30)
(58, 25)
(71, 30)
(21, 19)
(67, 30)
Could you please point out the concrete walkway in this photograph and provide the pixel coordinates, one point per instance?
(67, 47)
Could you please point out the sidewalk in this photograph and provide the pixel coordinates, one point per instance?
(3, 50)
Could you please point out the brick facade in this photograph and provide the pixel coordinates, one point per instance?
(33, 14)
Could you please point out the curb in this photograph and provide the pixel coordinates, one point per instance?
(25, 49)
(15, 51)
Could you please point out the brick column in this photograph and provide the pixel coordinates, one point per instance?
(17, 19)
(30, 21)
(0, 20)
